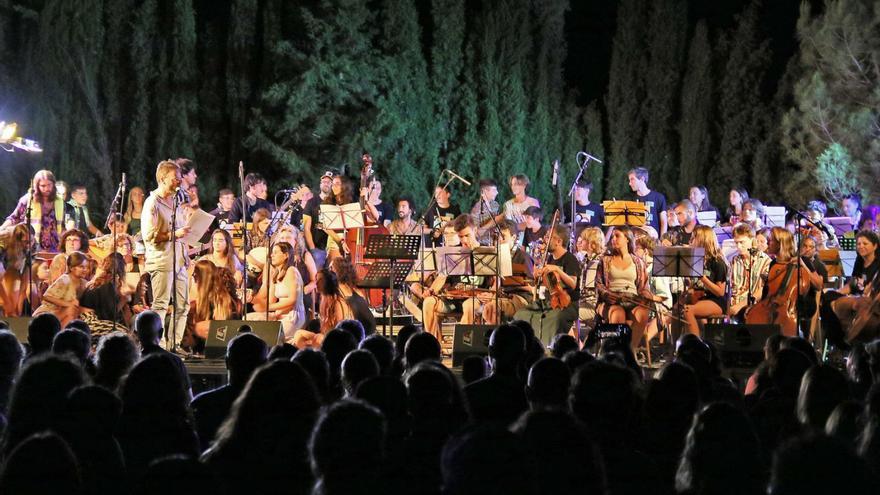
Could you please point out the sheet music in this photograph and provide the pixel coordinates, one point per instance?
(199, 223)
(348, 216)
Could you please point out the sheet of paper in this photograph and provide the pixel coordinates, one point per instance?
(198, 222)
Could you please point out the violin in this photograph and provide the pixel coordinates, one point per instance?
(779, 307)
(559, 297)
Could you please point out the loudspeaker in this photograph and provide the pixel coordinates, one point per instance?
(18, 325)
(220, 332)
(739, 346)
(470, 340)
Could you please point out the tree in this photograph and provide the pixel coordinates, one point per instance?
(836, 98)
(626, 94)
(743, 120)
(668, 28)
(697, 104)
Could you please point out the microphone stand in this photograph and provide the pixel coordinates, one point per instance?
(29, 255)
(497, 231)
(175, 202)
(571, 193)
(245, 241)
(421, 225)
(114, 209)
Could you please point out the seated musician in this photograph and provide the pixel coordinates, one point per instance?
(839, 307)
(222, 254)
(533, 231)
(285, 303)
(591, 246)
(333, 309)
(818, 277)
(405, 224)
(748, 270)
(564, 267)
(753, 213)
(62, 297)
(709, 294)
(210, 299)
(435, 303)
(622, 284)
(823, 232)
(516, 287)
(685, 213)
(787, 274)
(658, 286)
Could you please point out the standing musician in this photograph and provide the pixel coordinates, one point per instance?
(655, 201)
(748, 270)
(586, 214)
(708, 297)
(787, 279)
(340, 194)
(485, 209)
(516, 206)
(255, 196)
(440, 216)
(47, 211)
(564, 266)
(378, 211)
(622, 284)
(533, 232)
(164, 251)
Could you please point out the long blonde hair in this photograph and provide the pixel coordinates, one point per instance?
(705, 238)
(14, 238)
(129, 205)
(785, 239)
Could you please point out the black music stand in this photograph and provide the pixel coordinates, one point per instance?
(387, 275)
(679, 261)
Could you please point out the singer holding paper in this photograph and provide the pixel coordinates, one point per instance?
(166, 259)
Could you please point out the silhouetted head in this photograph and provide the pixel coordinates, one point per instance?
(421, 347)
(115, 355)
(357, 366)
(507, 347)
(348, 447)
(41, 331)
(148, 328)
(485, 460)
(721, 454)
(382, 349)
(11, 354)
(548, 384)
(817, 464)
(822, 389)
(74, 342)
(354, 327)
(315, 364)
(245, 353)
(474, 368)
(561, 344)
(41, 464)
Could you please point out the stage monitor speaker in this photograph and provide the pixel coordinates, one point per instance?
(18, 325)
(739, 346)
(470, 340)
(220, 332)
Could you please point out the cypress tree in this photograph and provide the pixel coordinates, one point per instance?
(743, 120)
(668, 28)
(314, 119)
(447, 71)
(142, 157)
(697, 97)
(626, 94)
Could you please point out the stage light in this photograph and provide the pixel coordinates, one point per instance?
(7, 131)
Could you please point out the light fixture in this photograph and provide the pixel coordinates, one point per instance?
(7, 131)
(10, 142)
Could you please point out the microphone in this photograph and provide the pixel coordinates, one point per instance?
(753, 251)
(456, 176)
(588, 156)
(294, 190)
(123, 180)
(555, 179)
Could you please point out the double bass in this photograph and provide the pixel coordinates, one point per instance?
(785, 282)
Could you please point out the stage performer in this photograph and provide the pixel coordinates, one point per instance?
(47, 211)
(166, 259)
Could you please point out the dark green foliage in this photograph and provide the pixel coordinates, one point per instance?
(626, 94)
(697, 98)
(743, 122)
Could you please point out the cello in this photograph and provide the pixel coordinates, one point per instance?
(357, 239)
(779, 307)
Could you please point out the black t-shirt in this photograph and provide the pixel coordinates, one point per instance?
(591, 215)
(807, 304)
(436, 217)
(656, 204)
(386, 212)
(866, 273)
(313, 210)
(715, 269)
(530, 236)
(678, 236)
(102, 301)
(572, 268)
(235, 212)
